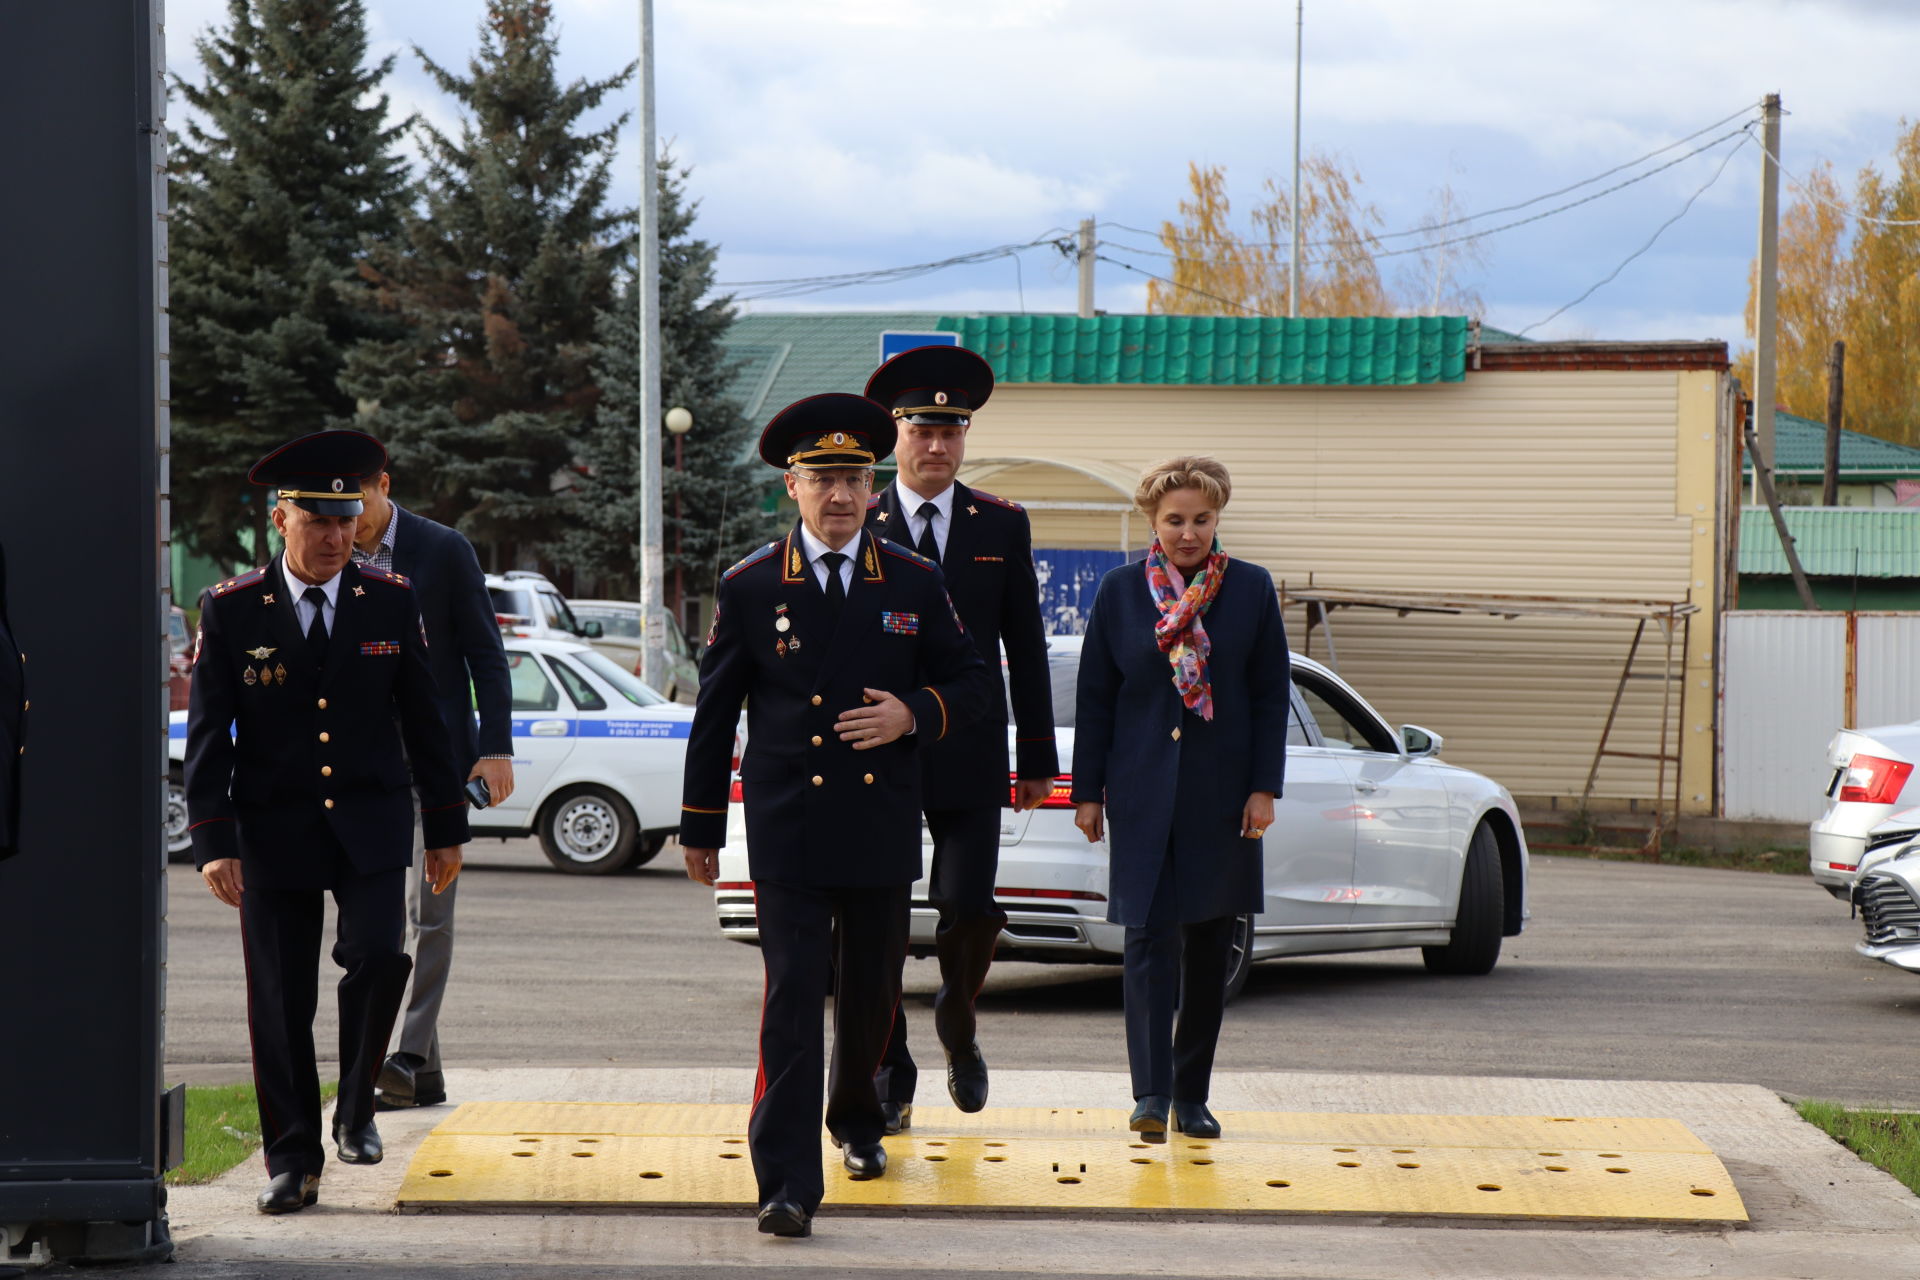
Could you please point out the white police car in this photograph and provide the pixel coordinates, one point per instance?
(597, 758)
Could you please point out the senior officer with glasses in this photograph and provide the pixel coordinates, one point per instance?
(985, 547)
(311, 673)
(851, 661)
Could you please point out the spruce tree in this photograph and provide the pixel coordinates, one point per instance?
(718, 493)
(287, 168)
(498, 280)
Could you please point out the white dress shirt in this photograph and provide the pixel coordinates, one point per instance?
(816, 548)
(910, 507)
(302, 607)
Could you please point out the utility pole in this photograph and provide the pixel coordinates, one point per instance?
(1836, 398)
(653, 618)
(1293, 215)
(1085, 260)
(1763, 478)
(1764, 376)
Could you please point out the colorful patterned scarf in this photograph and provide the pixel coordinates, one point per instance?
(1179, 632)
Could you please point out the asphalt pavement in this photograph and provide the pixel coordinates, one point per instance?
(1626, 972)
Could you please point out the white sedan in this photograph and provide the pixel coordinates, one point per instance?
(597, 759)
(1375, 844)
(1868, 805)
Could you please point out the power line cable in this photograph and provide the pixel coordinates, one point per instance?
(796, 286)
(1743, 132)
(1488, 213)
(1609, 277)
(1838, 208)
(1101, 257)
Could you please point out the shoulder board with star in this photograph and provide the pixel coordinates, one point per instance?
(385, 575)
(251, 578)
(996, 500)
(908, 554)
(753, 559)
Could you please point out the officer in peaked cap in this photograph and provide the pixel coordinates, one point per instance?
(851, 662)
(320, 667)
(985, 547)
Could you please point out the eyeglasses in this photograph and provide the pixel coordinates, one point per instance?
(827, 481)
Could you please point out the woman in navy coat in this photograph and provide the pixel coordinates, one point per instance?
(1181, 734)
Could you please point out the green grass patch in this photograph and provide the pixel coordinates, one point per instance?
(1784, 862)
(223, 1128)
(1887, 1139)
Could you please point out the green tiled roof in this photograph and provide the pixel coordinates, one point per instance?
(783, 357)
(1219, 350)
(1800, 448)
(1887, 540)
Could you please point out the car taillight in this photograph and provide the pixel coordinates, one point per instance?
(1060, 797)
(1872, 780)
(733, 793)
(1080, 894)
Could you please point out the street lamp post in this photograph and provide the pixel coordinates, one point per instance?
(679, 421)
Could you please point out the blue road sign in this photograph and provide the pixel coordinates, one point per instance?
(894, 341)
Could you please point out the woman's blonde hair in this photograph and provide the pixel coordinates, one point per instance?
(1162, 478)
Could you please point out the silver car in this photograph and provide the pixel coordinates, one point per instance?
(1887, 894)
(1866, 802)
(1376, 844)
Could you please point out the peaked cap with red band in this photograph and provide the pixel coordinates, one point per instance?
(932, 385)
(322, 472)
(832, 430)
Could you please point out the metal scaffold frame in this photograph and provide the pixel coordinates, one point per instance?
(1673, 617)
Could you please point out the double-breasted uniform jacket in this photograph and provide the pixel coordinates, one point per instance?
(1175, 784)
(13, 724)
(988, 563)
(819, 813)
(314, 767)
(465, 645)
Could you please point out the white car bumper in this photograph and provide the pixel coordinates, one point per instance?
(1889, 899)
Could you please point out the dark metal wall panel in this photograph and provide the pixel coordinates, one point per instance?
(83, 521)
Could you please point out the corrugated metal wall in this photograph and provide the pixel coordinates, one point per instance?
(1554, 482)
(1786, 694)
(1889, 668)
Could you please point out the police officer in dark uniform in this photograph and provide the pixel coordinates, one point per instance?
(985, 547)
(320, 667)
(851, 661)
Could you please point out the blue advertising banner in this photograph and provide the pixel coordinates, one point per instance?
(1068, 580)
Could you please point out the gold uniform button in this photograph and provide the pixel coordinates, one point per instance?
(816, 739)
(816, 699)
(325, 738)
(326, 771)
(329, 804)
(818, 780)
(1176, 734)
(323, 704)
(869, 779)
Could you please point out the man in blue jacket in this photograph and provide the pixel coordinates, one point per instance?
(463, 645)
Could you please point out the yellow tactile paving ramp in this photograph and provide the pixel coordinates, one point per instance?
(493, 1155)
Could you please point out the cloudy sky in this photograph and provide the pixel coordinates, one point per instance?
(846, 135)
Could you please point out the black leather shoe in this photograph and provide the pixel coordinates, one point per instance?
(1150, 1118)
(290, 1193)
(404, 1082)
(358, 1146)
(967, 1078)
(1194, 1120)
(898, 1115)
(785, 1218)
(864, 1160)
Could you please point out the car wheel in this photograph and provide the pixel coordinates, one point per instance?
(588, 831)
(651, 843)
(1239, 956)
(1477, 927)
(179, 841)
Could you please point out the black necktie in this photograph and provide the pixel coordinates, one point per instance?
(317, 629)
(836, 589)
(928, 545)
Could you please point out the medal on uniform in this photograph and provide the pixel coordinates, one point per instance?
(780, 620)
(280, 672)
(780, 647)
(793, 645)
(262, 653)
(249, 677)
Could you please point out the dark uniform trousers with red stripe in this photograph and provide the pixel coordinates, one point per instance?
(988, 563)
(833, 834)
(310, 791)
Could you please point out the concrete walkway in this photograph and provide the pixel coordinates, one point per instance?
(1817, 1211)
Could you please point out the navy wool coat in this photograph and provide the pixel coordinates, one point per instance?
(1174, 784)
(463, 637)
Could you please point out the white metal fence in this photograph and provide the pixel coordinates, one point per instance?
(1788, 690)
